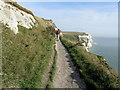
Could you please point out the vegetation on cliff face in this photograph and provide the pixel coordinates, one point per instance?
(93, 68)
(15, 4)
(26, 55)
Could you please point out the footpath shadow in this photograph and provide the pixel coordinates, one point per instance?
(77, 44)
(75, 74)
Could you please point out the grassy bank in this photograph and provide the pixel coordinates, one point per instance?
(26, 55)
(93, 68)
(15, 4)
(53, 69)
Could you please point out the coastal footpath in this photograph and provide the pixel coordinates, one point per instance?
(93, 68)
(30, 58)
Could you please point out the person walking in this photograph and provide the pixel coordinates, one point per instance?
(58, 34)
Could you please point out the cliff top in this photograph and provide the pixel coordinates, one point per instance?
(15, 4)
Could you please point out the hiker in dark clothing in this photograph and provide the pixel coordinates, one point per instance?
(58, 34)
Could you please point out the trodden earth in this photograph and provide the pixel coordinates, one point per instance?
(66, 75)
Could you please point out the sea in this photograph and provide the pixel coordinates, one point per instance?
(107, 47)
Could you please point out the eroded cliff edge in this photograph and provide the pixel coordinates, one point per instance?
(12, 16)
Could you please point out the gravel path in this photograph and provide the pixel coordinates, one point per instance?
(66, 76)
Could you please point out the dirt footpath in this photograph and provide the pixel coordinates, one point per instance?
(66, 76)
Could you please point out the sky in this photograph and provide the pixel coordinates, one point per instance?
(96, 18)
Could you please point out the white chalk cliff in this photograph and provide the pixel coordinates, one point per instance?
(86, 40)
(12, 17)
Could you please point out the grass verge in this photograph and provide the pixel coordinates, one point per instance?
(25, 56)
(53, 70)
(94, 70)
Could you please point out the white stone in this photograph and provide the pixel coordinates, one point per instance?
(56, 28)
(12, 17)
(87, 41)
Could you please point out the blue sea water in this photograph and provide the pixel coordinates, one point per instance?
(107, 47)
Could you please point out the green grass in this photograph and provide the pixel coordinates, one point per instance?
(71, 37)
(48, 22)
(26, 55)
(53, 70)
(93, 68)
(15, 4)
(74, 33)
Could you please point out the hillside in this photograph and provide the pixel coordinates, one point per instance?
(27, 53)
(93, 68)
(32, 58)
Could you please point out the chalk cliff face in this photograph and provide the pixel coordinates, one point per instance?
(12, 17)
(86, 40)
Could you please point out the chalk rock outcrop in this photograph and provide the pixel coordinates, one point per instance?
(11, 17)
(86, 40)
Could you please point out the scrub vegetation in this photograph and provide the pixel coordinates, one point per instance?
(93, 68)
(26, 55)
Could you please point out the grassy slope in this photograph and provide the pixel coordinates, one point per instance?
(95, 71)
(26, 55)
(15, 4)
(53, 70)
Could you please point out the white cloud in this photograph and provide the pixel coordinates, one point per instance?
(93, 21)
(96, 23)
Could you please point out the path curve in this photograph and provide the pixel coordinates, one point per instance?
(66, 76)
